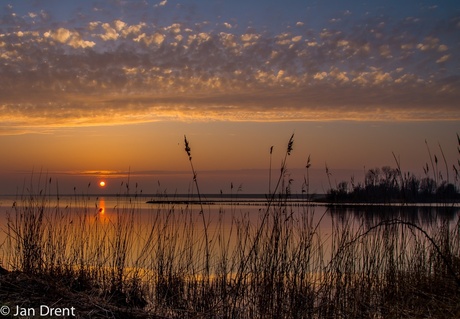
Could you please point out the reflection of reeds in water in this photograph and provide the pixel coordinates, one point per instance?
(279, 264)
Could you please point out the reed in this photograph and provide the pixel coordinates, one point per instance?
(176, 261)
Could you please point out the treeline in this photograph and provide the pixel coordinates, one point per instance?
(389, 185)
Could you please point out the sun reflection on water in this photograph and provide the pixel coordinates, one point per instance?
(101, 206)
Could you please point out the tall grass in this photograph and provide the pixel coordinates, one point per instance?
(182, 261)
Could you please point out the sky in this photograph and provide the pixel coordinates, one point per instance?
(106, 90)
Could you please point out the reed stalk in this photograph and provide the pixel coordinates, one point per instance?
(281, 261)
(205, 225)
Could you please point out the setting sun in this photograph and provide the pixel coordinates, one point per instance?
(102, 184)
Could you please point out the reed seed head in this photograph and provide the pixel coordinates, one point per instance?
(308, 162)
(187, 148)
(291, 142)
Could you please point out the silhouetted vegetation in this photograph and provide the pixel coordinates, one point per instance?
(182, 262)
(388, 185)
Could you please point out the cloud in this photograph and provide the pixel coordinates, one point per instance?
(110, 32)
(116, 72)
(227, 25)
(156, 38)
(69, 37)
(161, 3)
(444, 58)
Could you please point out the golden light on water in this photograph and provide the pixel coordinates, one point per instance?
(101, 205)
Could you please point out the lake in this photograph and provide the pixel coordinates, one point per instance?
(182, 225)
(239, 257)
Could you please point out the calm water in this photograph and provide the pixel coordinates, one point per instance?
(181, 224)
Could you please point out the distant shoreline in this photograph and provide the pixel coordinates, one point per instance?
(243, 199)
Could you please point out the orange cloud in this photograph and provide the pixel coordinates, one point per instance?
(116, 72)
